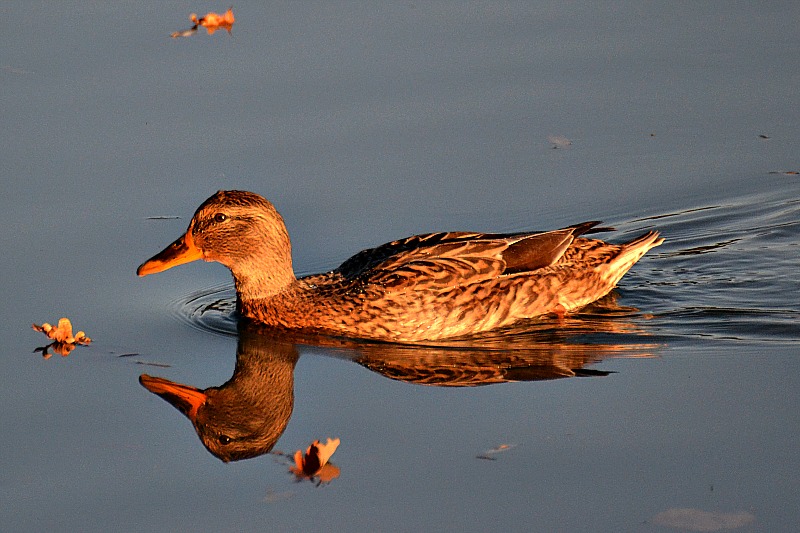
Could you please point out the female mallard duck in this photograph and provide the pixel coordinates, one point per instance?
(425, 287)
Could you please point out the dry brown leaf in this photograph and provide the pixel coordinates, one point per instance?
(210, 21)
(315, 461)
(63, 339)
(63, 332)
(213, 21)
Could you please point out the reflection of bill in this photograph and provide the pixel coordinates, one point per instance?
(245, 416)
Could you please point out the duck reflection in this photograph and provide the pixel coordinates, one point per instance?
(543, 349)
(245, 416)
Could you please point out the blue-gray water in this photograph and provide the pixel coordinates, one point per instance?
(364, 123)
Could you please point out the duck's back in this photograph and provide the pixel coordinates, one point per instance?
(441, 285)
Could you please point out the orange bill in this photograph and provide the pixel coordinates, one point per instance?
(179, 252)
(184, 398)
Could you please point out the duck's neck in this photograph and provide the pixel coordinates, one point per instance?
(265, 278)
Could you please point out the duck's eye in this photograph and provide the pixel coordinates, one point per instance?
(220, 217)
(224, 439)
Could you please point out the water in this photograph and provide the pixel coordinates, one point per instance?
(366, 124)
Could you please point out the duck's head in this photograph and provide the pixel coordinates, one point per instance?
(241, 230)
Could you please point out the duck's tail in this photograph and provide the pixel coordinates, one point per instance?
(630, 253)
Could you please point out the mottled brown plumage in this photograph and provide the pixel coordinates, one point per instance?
(425, 287)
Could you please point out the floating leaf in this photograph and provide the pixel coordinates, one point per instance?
(211, 22)
(63, 339)
(314, 463)
(559, 141)
(488, 454)
(63, 332)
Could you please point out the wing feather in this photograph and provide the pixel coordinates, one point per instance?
(439, 261)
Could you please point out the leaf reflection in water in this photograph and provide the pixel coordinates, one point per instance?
(245, 416)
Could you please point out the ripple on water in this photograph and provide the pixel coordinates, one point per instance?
(212, 309)
(726, 271)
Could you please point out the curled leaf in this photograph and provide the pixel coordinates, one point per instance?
(63, 339)
(213, 21)
(63, 332)
(210, 21)
(314, 463)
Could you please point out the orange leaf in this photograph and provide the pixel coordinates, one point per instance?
(315, 459)
(211, 22)
(214, 21)
(63, 332)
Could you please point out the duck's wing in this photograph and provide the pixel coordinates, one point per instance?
(446, 260)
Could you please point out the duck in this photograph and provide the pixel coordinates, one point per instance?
(428, 287)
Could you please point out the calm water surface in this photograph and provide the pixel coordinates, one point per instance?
(671, 404)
